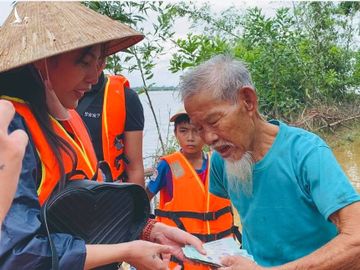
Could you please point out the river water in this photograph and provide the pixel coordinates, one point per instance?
(167, 102)
(349, 157)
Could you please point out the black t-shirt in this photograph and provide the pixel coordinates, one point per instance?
(90, 108)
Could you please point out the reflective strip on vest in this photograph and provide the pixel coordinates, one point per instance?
(113, 124)
(50, 169)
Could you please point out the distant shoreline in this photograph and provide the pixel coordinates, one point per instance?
(140, 90)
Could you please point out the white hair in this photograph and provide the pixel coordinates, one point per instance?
(222, 76)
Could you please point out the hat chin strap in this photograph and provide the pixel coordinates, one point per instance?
(56, 109)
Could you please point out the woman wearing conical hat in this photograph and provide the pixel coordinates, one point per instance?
(49, 54)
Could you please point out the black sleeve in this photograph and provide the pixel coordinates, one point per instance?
(134, 111)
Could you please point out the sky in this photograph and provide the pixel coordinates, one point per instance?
(163, 77)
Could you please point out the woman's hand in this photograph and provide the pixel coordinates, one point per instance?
(144, 255)
(12, 149)
(175, 238)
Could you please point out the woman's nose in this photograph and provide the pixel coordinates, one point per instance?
(92, 75)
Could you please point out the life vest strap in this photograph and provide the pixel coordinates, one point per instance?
(119, 141)
(207, 216)
(213, 236)
(171, 215)
(123, 177)
(120, 157)
(105, 170)
(237, 233)
(73, 173)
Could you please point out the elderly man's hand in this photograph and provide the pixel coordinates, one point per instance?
(238, 263)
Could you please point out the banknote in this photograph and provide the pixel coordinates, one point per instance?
(214, 251)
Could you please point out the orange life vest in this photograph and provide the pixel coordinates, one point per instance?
(192, 207)
(113, 124)
(80, 142)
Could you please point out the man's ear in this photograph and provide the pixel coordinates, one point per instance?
(248, 97)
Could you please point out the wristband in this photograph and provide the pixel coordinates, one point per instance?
(145, 235)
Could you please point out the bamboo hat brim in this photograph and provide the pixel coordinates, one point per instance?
(37, 30)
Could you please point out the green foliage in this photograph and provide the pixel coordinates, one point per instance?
(225, 24)
(300, 57)
(172, 145)
(196, 49)
(139, 15)
(142, 57)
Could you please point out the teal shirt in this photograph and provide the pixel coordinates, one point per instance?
(296, 187)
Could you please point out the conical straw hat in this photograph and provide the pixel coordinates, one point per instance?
(37, 30)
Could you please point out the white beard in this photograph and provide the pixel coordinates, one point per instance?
(240, 174)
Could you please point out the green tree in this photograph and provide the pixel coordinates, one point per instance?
(300, 57)
(143, 56)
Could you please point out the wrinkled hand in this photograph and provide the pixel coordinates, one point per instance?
(144, 255)
(12, 149)
(175, 238)
(238, 263)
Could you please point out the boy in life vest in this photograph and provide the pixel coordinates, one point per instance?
(185, 202)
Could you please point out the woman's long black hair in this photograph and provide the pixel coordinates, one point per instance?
(26, 84)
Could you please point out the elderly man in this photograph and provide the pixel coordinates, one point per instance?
(297, 207)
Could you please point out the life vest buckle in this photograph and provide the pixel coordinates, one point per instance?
(120, 157)
(117, 162)
(118, 142)
(209, 216)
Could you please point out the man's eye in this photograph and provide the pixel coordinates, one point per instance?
(211, 123)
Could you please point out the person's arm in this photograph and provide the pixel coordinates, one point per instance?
(133, 140)
(149, 193)
(23, 237)
(12, 150)
(24, 240)
(161, 174)
(140, 254)
(133, 151)
(336, 200)
(343, 252)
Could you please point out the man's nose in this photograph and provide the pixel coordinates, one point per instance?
(209, 137)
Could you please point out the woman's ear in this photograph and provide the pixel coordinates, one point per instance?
(248, 97)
